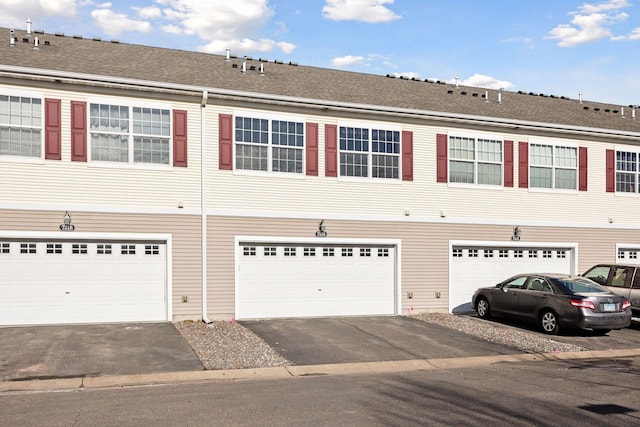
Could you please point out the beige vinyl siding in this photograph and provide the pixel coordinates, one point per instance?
(184, 229)
(425, 251)
(91, 184)
(234, 191)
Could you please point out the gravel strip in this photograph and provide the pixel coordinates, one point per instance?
(528, 342)
(229, 345)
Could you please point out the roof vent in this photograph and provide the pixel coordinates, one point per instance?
(585, 108)
(450, 91)
(596, 109)
(12, 37)
(463, 93)
(97, 39)
(607, 110)
(295, 64)
(228, 55)
(38, 31)
(474, 94)
(234, 65)
(278, 61)
(115, 41)
(47, 43)
(59, 34)
(77, 36)
(28, 25)
(262, 69)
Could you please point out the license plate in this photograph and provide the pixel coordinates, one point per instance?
(608, 307)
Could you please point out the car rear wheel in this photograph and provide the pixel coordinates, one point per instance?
(549, 322)
(482, 307)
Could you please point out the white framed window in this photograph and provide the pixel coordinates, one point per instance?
(120, 132)
(21, 125)
(369, 152)
(474, 160)
(269, 144)
(627, 171)
(553, 166)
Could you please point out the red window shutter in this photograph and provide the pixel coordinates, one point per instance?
(331, 150)
(523, 165)
(611, 171)
(442, 158)
(508, 163)
(407, 156)
(225, 124)
(52, 135)
(180, 138)
(582, 169)
(312, 149)
(78, 131)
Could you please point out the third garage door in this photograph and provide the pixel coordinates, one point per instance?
(479, 265)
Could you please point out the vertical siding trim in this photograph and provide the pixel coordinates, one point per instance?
(508, 163)
(225, 143)
(180, 138)
(611, 171)
(582, 169)
(78, 131)
(52, 134)
(312, 149)
(523, 165)
(407, 155)
(331, 150)
(442, 158)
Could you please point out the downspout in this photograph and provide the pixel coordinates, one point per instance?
(203, 203)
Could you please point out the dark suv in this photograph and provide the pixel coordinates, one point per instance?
(622, 279)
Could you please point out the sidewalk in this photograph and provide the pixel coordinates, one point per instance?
(280, 373)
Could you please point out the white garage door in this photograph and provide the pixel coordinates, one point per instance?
(477, 266)
(54, 282)
(311, 280)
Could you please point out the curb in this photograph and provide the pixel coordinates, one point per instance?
(283, 372)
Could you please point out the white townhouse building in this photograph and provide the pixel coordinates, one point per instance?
(150, 184)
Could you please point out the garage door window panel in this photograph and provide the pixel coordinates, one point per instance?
(21, 126)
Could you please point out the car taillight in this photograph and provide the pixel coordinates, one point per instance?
(626, 304)
(582, 304)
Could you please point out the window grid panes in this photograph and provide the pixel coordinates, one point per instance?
(54, 248)
(79, 248)
(475, 161)
(20, 126)
(5, 248)
(269, 146)
(124, 134)
(369, 153)
(554, 167)
(627, 172)
(328, 251)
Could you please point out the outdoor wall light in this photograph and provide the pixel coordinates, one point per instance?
(516, 233)
(322, 229)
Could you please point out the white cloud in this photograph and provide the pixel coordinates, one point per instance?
(150, 12)
(371, 11)
(481, 80)
(114, 24)
(347, 61)
(225, 24)
(14, 13)
(590, 22)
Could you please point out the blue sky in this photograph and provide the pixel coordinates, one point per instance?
(554, 47)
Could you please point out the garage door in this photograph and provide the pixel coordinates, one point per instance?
(312, 280)
(54, 282)
(476, 266)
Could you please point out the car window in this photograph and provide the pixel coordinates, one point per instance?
(598, 274)
(621, 277)
(579, 286)
(515, 283)
(538, 284)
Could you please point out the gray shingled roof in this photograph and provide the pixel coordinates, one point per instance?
(121, 60)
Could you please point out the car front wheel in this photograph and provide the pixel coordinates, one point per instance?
(482, 307)
(549, 322)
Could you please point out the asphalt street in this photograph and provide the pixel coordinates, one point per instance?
(594, 392)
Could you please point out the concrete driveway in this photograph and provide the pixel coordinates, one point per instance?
(69, 351)
(367, 339)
